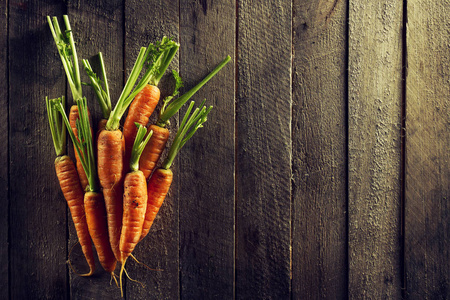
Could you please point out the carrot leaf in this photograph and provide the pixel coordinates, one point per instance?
(139, 145)
(170, 109)
(57, 126)
(189, 125)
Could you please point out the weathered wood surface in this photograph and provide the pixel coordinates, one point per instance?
(374, 148)
(427, 195)
(303, 184)
(319, 159)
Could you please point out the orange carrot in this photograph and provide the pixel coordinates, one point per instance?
(134, 208)
(157, 189)
(139, 112)
(134, 200)
(96, 220)
(153, 150)
(73, 117)
(74, 194)
(70, 185)
(110, 150)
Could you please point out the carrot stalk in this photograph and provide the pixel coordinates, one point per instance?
(66, 48)
(170, 109)
(100, 86)
(134, 201)
(70, 184)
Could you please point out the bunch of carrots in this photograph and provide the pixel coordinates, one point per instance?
(114, 189)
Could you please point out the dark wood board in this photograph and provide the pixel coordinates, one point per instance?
(98, 27)
(4, 136)
(427, 217)
(207, 161)
(263, 150)
(374, 149)
(37, 210)
(146, 24)
(319, 158)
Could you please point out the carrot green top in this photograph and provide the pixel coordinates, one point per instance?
(138, 146)
(57, 127)
(66, 48)
(190, 124)
(100, 87)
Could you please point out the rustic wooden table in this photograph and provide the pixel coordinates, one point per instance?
(322, 173)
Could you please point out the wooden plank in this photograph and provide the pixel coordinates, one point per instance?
(98, 26)
(263, 150)
(374, 143)
(319, 251)
(38, 221)
(427, 217)
(207, 36)
(146, 23)
(4, 135)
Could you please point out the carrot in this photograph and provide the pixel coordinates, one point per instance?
(153, 150)
(157, 143)
(139, 112)
(146, 100)
(110, 150)
(70, 185)
(73, 116)
(160, 181)
(96, 219)
(93, 199)
(157, 189)
(134, 200)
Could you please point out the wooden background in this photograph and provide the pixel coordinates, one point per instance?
(322, 173)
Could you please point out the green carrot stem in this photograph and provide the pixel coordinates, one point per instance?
(173, 107)
(57, 127)
(189, 125)
(100, 86)
(68, 54)
(123, 102)
(138, 146)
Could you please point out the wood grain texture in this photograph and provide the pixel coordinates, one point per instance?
(98, 27)
(263, 167)
(38, 243)
(206, 204)
(145, 23)
(4, 135)
(319, 249)
(427, 216)
(374, 121)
